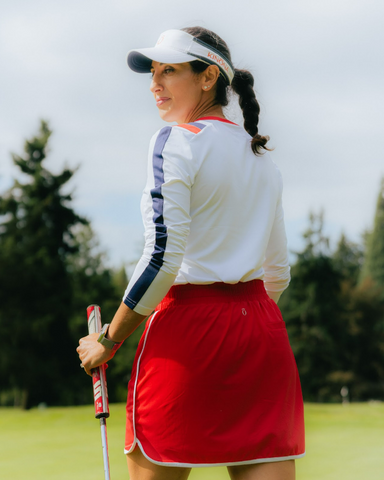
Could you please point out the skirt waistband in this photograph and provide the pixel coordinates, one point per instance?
(221, 292)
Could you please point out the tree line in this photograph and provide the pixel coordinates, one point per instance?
(51, 268)
(334, 311)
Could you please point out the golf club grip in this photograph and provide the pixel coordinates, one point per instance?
(100, 392)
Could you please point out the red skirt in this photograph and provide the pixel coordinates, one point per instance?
(214, 381)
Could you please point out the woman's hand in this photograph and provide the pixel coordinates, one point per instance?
(92, 353)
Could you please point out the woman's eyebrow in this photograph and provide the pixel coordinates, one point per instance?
(159, 64)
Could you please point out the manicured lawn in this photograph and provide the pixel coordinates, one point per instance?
(343, 442)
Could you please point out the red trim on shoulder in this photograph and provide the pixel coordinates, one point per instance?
(191, 128)
(216, 118)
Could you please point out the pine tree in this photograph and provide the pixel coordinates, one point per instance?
(335, 323)
(348, 259)
(51, 269)
(36, 222)
(311, 309)
(373, 267)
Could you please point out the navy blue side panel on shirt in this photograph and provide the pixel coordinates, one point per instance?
(156, 262)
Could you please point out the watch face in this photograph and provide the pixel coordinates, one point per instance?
(105, 341)
(102, 333)
(105, 328)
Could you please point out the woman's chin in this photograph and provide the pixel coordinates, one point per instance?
(170, 116)
(166, 116)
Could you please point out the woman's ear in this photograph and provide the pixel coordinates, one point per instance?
(210, 75)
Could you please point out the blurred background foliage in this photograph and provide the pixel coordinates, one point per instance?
(51, 268)
(334, 311)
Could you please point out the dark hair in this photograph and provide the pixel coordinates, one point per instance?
(242, 84)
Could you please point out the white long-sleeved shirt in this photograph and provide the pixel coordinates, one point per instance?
(212, 212)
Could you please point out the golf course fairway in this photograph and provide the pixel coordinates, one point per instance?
(342, 442)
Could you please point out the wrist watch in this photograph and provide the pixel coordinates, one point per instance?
(105, 341)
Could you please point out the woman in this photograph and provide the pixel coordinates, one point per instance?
(214, 380)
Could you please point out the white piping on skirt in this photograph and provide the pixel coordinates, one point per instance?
(134, 389)
(227, 464)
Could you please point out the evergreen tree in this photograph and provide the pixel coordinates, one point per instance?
(367, 306)
(51, 269)
(363, 316)
(374, 256)
(335, 323)
(311, 308)
(348, 260)
(35, 288)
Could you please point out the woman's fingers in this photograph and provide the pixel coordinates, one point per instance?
(92, 353)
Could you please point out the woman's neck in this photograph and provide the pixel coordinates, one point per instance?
(205, 111)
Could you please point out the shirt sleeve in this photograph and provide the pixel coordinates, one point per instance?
(166, 216)
(276, 263)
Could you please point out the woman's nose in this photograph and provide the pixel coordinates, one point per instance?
(155, 86)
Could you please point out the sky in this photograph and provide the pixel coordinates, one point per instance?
(319, 78)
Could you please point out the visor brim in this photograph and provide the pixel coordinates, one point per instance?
(140, 61)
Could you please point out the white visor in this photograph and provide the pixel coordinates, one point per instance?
(177, 46)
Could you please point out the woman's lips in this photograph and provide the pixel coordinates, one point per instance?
(161, 100)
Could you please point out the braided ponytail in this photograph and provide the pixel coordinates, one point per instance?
(242, 84)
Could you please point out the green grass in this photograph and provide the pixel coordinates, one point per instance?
(343, 442)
